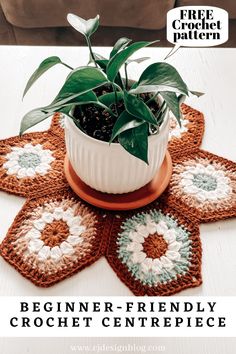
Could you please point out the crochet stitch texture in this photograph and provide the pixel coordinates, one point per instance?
(155, 250)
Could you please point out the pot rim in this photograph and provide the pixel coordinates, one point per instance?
(69, 122)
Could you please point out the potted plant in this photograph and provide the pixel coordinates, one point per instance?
(116, 131)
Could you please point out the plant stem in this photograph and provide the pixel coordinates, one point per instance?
(107, 109)
(116, 98)
(160, 114)
(68, 66)
(117, 86)
(126, 76)
(91, 52)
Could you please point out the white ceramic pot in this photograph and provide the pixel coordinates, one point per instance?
(110, 168)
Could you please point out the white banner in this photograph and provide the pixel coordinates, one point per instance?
(117, 316)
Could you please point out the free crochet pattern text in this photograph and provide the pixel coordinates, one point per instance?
(202, 27)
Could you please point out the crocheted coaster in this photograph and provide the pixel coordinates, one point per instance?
(189, 136)
(204, 185)
(31, 163)
(55, 236)
(155, 251)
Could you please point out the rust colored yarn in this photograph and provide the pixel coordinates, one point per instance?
(191, 278)
(57, 125)
(55, 233)
(29, 186)
(155, 246)
(15, 249)
(155, 250)
(209, 210)
(193, 137)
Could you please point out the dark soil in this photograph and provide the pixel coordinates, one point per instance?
(97, 123)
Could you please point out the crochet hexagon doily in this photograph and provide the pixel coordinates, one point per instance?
(55, 236)
(154, 250)
(204, 185)
(31, 163)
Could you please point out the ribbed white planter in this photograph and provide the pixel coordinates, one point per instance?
(110, 168)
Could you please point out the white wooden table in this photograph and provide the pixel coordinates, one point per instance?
(209, 70)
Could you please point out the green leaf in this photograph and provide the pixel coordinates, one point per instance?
(196, 93)
(172, 102)
(43, 67)
(85, 99)
(80, 81)
(121, 57)
(66, 110)
(138, 108)
(124, 122)
(32, 118)
(135, 141)
(92, 25)
(38, 115)
(102, 63)
(97, 57)
(138, 60)
(88, 96)
(100, 60)
(96, 103)
(160, 77)
(120, 44)
(85, 27)
(110, 98)
(133, 86)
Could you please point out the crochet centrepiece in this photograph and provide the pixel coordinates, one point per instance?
(155, 250)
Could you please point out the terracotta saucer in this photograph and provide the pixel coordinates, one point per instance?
(126, 201)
